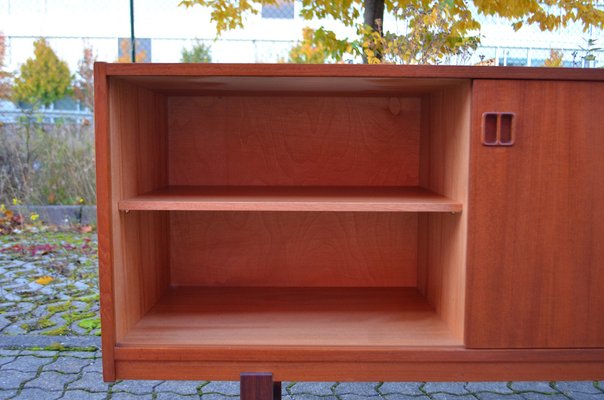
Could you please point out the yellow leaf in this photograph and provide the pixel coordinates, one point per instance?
(44, 280)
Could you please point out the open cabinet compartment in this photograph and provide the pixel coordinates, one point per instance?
(287, 213)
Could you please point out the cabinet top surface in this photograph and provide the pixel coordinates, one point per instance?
(349, 70)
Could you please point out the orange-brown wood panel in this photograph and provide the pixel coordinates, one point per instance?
(138, 138)
(104, 212)
(293, 249)
(300, 141)
(536, 218)
(444, 170)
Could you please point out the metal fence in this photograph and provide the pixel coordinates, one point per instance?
(164, 30)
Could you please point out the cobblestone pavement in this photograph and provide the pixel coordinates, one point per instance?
(49, 342)
(41, 375)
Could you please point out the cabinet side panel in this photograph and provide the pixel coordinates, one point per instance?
(536, 247)
(104, 212)
(138, 165)
(444, 169)
(293, 249)
(299, 141)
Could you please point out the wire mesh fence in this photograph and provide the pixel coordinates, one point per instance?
(164, 31)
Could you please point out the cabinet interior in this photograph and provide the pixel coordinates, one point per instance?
(289, 211)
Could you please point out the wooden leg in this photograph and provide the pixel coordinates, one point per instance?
(259, 386)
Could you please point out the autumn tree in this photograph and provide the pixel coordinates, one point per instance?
(309, 50)
(43, 79)
(84, 82)
(4, 76)
(431, 29)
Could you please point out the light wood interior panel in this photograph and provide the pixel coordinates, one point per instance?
(297, 317)
(536, 254)
(300, 141)
(138, 164)
(293, 249)
(444, 168)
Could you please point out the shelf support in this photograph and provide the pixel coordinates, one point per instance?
(259, 386)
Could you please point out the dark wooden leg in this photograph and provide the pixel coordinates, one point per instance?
(276, 390)
(259, 386)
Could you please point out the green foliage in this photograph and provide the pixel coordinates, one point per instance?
(42, 79)
(432, 29)
(199, 53)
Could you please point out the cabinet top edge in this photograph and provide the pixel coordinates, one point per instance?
(352, 70)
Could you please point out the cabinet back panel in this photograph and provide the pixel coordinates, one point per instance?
(293, 249)
(338, 141)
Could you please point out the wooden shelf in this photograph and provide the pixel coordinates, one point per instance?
(212, 316)
(272, 198)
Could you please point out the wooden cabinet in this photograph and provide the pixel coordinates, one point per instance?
(535, 247)
(350, 222)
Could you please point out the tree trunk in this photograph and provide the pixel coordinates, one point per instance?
(374, 17)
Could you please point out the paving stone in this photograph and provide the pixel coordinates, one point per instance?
(81, 354)
(51, 381)
(229, 388)
(498, 396)
(537, 386)
(541, 396)
(90, 381)
(356, 388)
(179, 387)
(6, 360)
(450, 396)
(7, 394)
(7, 352)
(40, 353)
(27, 363)
(38, 394)
(316, 388)
(495, 387)
(572, 387)
(94, 365)
(399, 396)
(68, 365)
(358, 397)
(13, 379)
(310, 397)
(129, 396)
(135, 387)
(4, 322)
(408, 388)
(585, 396)
(215, 396)
(82, 394)
(170, 396)
(445, 387)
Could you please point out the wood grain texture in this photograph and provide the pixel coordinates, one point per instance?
(288, 198)
(375, 73)
(226, 317)
(547, 369)
(294, 141)
(137, 126)
(293, 249)
(104, 215)
(536, 247)
(444, 169)
(257, 386)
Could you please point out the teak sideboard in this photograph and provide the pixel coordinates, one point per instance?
(350, 222)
